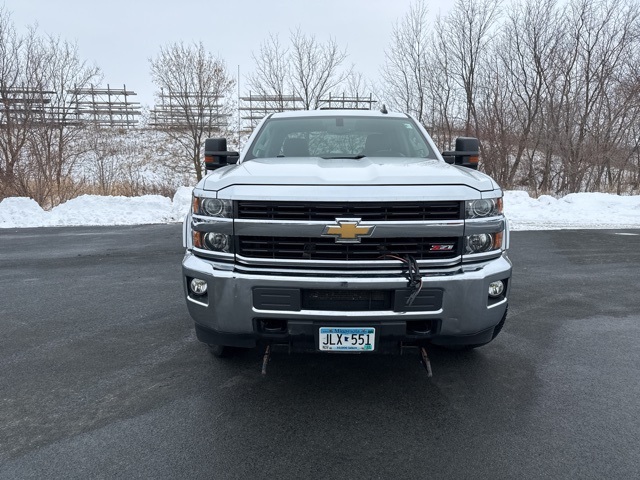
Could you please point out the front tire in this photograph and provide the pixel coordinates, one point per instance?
(220, 351)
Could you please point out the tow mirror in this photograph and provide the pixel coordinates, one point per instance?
(466, 153)
(216, 154)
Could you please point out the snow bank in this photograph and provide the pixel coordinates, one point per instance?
(578, 210)
(96, 210)
(21, 211)
(181, 203)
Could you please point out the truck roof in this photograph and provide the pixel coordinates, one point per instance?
(334, 112)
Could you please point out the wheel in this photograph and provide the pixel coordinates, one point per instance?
(220, 351)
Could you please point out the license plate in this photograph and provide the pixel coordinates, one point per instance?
(340, 339)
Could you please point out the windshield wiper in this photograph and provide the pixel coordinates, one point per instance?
(350, 157)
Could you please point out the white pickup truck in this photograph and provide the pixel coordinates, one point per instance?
(345, 231)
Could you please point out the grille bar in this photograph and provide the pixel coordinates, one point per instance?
(347, 300)
(319, 248)
(394, 211)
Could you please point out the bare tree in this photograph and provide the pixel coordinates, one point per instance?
(405, 71)
(39, 138)
(601, 49)
(465, 34)
(105, 153)
(15, 119)
(57, 141)
(522, 63)
(271, 78)
(198, 85)
(307, 69)
(551, 89)
(496, 118)
(434, 74)
(315, 68)
(444, 99)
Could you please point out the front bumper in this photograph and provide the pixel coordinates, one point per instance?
(232, 314)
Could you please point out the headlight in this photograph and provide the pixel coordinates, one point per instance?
(212, 207)
(214, 241)
(218, 242)
(483, 242)
(484, 207)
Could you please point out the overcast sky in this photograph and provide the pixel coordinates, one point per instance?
(120, 36)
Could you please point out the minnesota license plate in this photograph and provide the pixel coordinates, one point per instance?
(341, 339)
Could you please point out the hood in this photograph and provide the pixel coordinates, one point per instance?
(366, 171)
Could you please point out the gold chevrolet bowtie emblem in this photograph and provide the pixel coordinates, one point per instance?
(348, 230)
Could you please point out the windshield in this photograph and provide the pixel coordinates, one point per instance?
(339, 137)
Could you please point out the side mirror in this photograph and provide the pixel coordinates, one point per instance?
(216, 154)
(466, 153)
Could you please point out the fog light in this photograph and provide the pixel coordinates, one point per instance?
(496, 288)
(198, 286)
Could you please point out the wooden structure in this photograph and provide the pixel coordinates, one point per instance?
(20, 105)
(184, 110)
(343, 102)
(254, 108)
(106, 107)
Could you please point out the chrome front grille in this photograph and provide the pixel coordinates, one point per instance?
(320, 248)
(367, 211)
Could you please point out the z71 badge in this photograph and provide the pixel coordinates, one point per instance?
(442, 247)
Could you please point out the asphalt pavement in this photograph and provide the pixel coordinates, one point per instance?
(102, 376)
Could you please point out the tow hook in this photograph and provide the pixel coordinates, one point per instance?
(265, 359)
(425, 361)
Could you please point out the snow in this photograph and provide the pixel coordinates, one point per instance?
(574, 211)
(96, 210)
